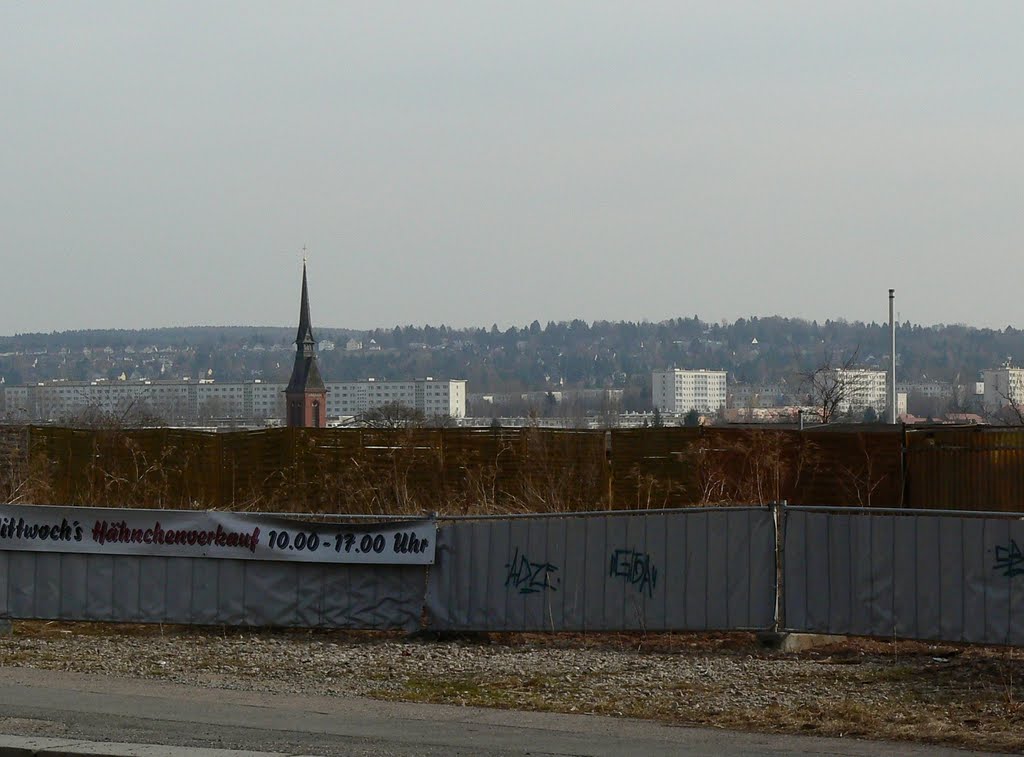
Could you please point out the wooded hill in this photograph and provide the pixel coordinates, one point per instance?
(534, 357)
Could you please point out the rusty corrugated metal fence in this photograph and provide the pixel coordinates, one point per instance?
(966, 468)
(468, 471)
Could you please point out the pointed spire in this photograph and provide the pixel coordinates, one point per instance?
(305, 333)
(305, 380)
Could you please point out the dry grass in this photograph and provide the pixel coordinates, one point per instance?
(452, 471)
(395, 471)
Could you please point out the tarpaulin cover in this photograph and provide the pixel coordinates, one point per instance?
(131, 589)
(681, 570)
(940, 577)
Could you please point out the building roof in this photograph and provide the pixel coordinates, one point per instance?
(305, 375)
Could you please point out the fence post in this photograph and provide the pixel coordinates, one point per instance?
(779, 517)
(609, 468)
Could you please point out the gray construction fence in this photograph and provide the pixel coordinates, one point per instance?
(904, 574)
(696, 569)
(890, 573)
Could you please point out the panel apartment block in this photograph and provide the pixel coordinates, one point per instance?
(680, 391)
(242, 401)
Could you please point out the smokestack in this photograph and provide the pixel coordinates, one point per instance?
(892, 360)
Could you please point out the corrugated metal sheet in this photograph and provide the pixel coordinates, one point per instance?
(656, 467)
(855, 467)
(334, 470)
(676, 467)
(520, 470)
(966, 468)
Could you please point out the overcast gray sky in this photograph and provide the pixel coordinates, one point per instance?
(468, 163)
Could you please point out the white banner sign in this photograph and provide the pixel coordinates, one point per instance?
(210, 533)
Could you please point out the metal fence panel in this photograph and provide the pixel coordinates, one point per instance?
(941, 576)
(904, 575)
(686, 570)
(695, 571)
(973, 468)
(920, 576)
(177, 589)
(125, 602)
(132, 589)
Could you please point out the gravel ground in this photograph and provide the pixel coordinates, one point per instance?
(965, 696)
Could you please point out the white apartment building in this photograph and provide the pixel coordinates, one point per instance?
(862, 388)
(680, 391)
(1003, 387)
(430, 396)
(930, 389)
(757, 395)
(243, 401)
(173, 400)
(13, 401)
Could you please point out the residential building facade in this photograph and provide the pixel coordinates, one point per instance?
(680, 391)
(930, 389)
(747, 396)
(430, 396)
(862, 388)
(183, 401)
(1004, 387)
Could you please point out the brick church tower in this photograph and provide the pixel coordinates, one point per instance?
(306, 395)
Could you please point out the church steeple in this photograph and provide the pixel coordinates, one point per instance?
(304, 339)
(306, 395)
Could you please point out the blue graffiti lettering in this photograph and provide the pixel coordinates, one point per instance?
(529, 577)
(1010, 560)
(635, 568)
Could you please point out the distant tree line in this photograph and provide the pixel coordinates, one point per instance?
(562, 355)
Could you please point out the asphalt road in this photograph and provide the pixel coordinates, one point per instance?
(76, 706)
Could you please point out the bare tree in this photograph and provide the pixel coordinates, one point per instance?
(826, 390)
(609, 412)
(962, 399)
(1011, 412)
(860, 481)
(135, 414)
(1008, 408)
(391, 415)
(441, 420)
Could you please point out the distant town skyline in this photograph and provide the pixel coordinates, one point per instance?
(166, 163)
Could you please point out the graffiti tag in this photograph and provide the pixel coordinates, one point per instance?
(635, 568)
(1010, 560)
(529, 577)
